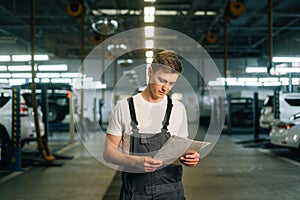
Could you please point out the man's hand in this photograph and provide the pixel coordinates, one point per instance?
(148, 164)
(190, 159)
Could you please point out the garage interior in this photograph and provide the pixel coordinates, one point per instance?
(79, 57)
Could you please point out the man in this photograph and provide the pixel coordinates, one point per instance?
(141, 125)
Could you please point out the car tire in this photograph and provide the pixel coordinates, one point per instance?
(61, 117)
(53, 113)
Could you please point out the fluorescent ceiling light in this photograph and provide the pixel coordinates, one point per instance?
(267, 79)
(184, 12)
(61, 80)
(215, 83)
(4, 58)
(148, 18)
(115, 12)
(149, 31)
(3, 80)
(149, 54)
(149, 60)
(284, 79)
(45, 80)
(211, 13)
(271, 83)
(236, 83)
(149, 0)
(41, 57)
(165, 12)
(21, 75)
(5, 75)
(3, 68)
(199, 13)
(286, 70)
(256, 70)
(19, 68)
(125, 62)
(247, 79)
(17, 81)
(28, 57)
(149, 14)
(295, 81)
(70, 75)
(149, 44)
(253, 84)
(286, 59)
(60, 67)
(48, 75)
(202, 13)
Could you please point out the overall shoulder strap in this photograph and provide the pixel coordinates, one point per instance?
(133, 122)
(165, 122)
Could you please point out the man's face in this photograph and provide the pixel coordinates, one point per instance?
(161, 82)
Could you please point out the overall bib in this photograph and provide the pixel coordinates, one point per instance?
(162, 184)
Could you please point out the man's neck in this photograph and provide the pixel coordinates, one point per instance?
(148, 96)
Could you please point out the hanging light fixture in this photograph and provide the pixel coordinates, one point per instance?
(105, 26)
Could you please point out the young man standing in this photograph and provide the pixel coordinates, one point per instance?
(140, 126)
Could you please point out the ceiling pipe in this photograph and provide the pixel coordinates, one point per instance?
(82, 56)
(270, 38)
(225, 45)
(285, 27)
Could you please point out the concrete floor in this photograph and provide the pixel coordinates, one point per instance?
(230, 171)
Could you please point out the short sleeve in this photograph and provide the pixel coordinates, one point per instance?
(183, 129)
(115, 121)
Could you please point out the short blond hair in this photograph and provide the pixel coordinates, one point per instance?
(167, 60)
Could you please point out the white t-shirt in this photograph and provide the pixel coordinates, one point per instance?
(149, 116)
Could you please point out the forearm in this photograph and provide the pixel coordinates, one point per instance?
(113, 155)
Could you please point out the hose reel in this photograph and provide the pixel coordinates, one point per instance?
(235, 8)
(211, 38)
(75, 8)
(97, 38)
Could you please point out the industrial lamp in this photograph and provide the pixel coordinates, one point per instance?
(105, 26)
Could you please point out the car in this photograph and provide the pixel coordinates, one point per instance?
(58, 99)
(27, 126)
(289, 104)
(287, 132)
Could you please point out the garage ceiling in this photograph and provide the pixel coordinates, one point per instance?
(59, 33)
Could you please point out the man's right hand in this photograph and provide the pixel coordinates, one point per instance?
(148, 164)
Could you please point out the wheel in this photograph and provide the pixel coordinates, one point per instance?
(61, 117)
(53, 113)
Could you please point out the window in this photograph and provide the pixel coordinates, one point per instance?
(293, 102)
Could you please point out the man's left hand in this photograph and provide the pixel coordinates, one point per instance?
(190, 159)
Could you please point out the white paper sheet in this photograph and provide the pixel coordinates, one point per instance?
(177, 146)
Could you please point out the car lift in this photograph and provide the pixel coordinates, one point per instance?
(257, 141)
(11, 151)
(12, 156)
(43, 141)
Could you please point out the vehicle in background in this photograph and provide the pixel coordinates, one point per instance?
(266, 113)
(289, 104)
(287, 132)
(27, 126)
(241, 111)
(58, 99)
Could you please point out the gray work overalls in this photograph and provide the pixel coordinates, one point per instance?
(162, 184)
